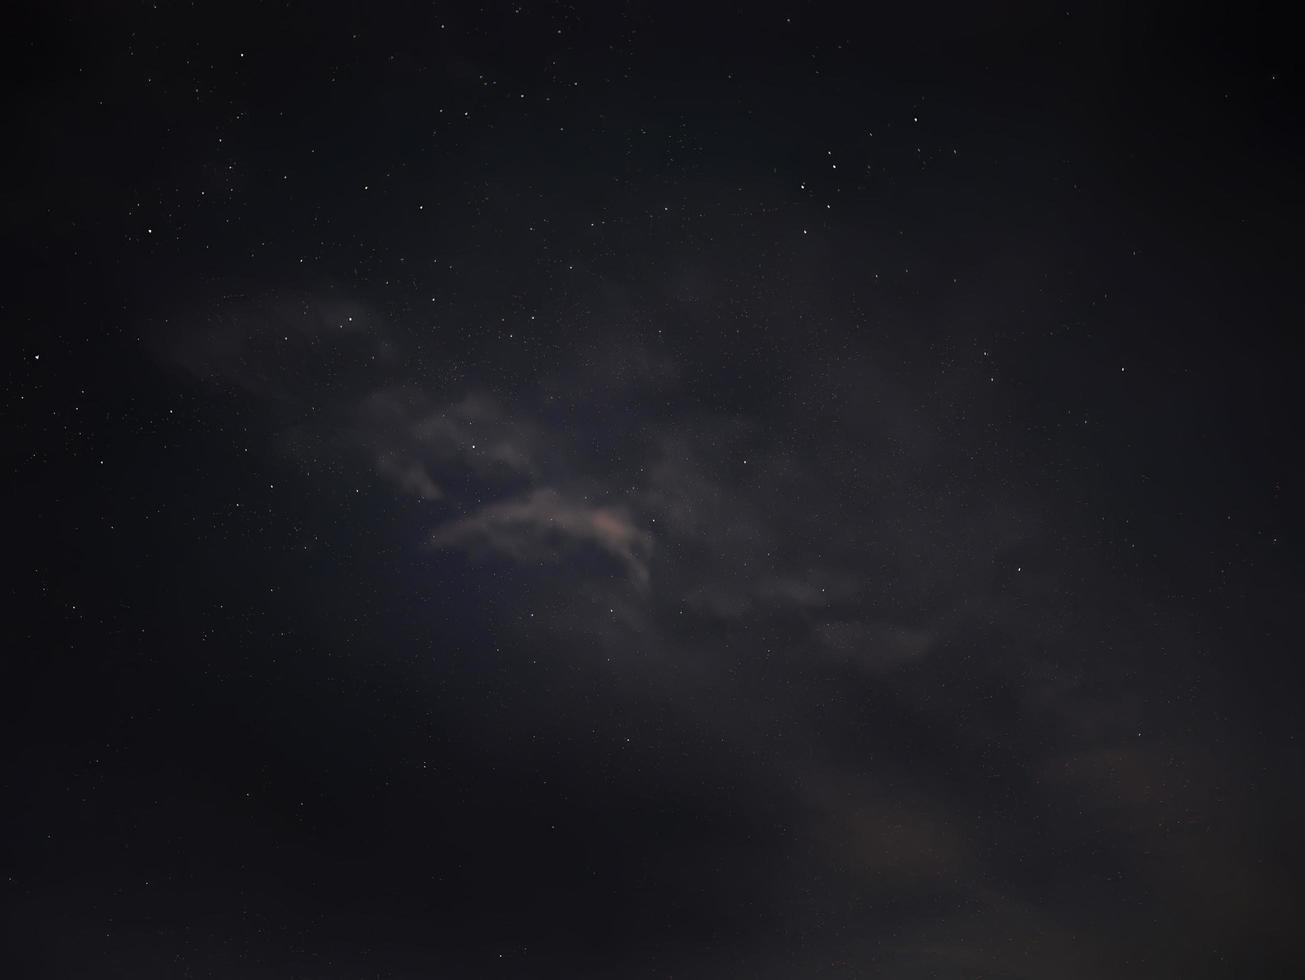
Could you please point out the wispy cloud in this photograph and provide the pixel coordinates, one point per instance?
(544, 525)
(821, 591)
(413, 440)
(408, 475)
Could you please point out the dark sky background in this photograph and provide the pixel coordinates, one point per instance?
(652, 491)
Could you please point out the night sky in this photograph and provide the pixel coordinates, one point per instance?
(639, 490)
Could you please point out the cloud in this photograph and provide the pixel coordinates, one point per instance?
(956, 694)
(411, 439)
(544, 525)
(757, 594)
(409, 476)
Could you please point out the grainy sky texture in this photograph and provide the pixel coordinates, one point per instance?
(630, 490)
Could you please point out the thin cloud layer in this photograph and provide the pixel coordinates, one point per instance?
(411, 438)
(807, 589)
